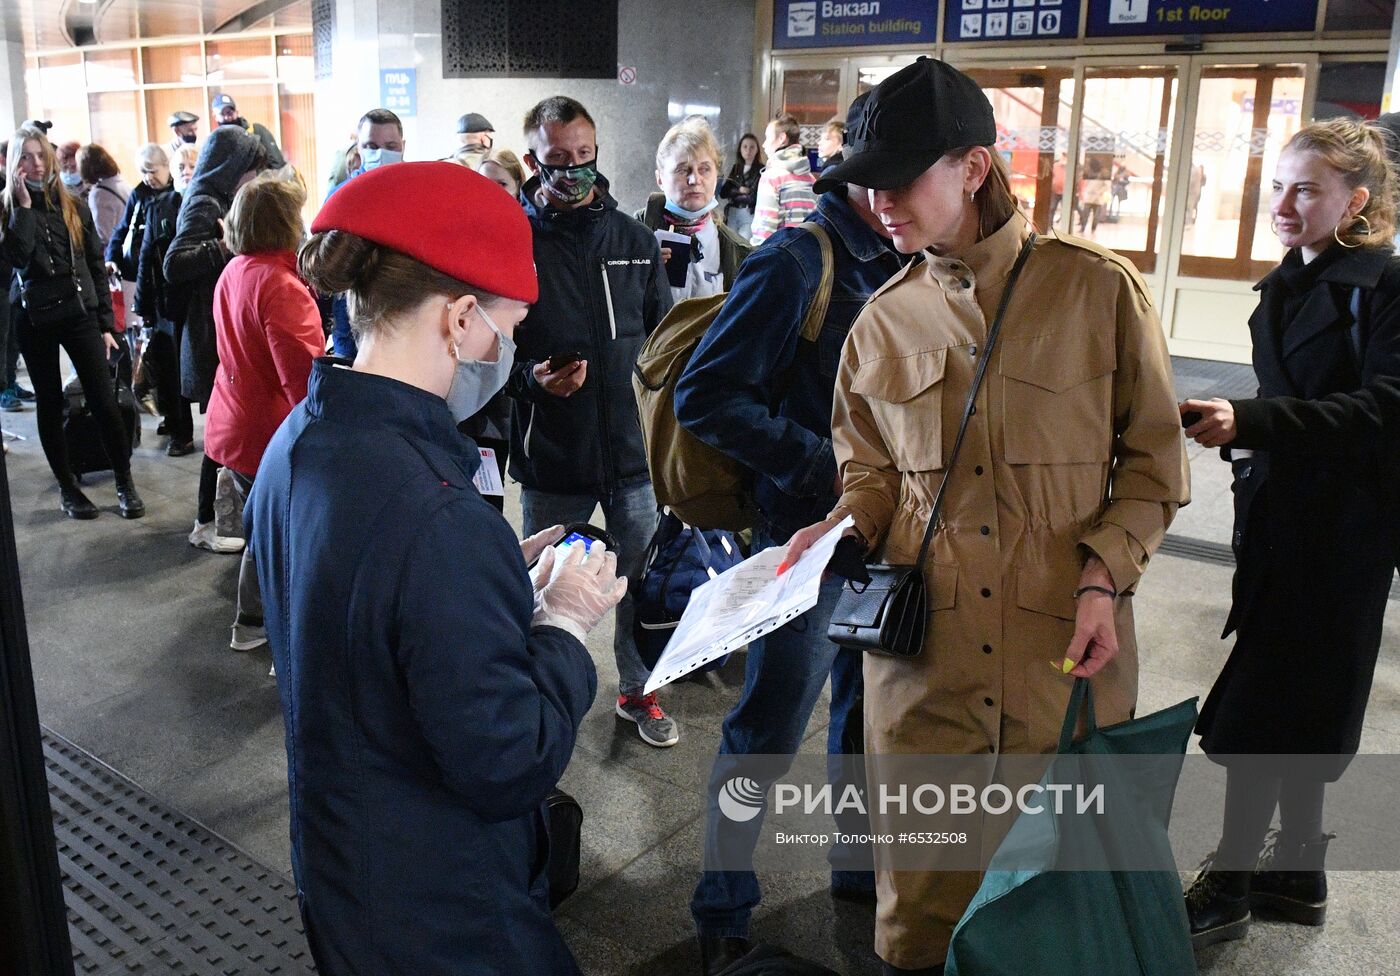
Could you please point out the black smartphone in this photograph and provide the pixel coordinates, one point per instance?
(561, 360)
(1190, 418)
(581, 533)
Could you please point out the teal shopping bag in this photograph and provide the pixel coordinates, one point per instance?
(1029, 917)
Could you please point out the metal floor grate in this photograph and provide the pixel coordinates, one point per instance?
(150, 891)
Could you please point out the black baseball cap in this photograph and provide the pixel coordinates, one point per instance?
(473, 122)
(910, 120)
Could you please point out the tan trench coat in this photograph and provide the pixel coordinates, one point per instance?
(1075, 446)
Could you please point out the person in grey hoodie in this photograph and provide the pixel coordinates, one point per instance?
(197, 255)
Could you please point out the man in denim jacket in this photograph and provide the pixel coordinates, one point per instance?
(758, 392)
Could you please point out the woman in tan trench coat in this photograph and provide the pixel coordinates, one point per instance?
(1072, 469)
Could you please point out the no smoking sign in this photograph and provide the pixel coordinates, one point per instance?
(626, 75)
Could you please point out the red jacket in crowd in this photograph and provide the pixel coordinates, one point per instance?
(268, 331)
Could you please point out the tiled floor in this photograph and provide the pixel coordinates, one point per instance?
(129, 627)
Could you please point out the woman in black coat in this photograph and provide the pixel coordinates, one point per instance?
(740, 187)
(197, 255)
(1317, 512)
(50, 240)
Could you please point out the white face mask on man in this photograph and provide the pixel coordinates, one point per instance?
(476, 381)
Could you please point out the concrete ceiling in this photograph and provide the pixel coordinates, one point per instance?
(47, 24)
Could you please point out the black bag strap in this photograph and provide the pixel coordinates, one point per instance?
(1081, 697)
(972, 395)
(111, 191)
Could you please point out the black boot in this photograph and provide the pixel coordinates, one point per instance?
(1290, 882)
(130, 503)
(74, 503)
(1217, 903)
(718, 953)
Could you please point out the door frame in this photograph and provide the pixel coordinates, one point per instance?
(1175, 282)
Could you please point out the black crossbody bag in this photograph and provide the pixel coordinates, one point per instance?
(889, 615)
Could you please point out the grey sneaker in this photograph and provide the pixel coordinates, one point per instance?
(653, 725)
(246, 637)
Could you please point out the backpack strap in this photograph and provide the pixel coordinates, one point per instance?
(655, 204)
(816, 312)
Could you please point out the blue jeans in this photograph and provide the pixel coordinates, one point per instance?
(630, 517)
(783, 678)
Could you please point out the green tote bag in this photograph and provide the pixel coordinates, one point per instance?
(1030, 917)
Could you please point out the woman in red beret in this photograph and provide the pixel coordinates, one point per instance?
(431, 693)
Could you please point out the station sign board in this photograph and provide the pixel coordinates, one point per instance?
(849, 23)
(1136, 18)
(1010, 20)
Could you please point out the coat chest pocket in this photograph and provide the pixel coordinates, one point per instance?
(1057, 394)
(906, 399)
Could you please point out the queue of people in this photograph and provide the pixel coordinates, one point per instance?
(516, 318)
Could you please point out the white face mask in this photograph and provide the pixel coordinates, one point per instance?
(475, 381)
(375, 158)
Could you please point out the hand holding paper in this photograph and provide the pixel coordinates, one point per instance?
(744, 603)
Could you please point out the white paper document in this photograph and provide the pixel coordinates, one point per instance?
(742, 604)
(488, 476)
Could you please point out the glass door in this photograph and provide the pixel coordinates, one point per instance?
(812, 95)
(1032, 106)
(1244, 114)
(1123, 159)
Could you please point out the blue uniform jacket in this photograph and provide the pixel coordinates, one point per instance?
(756, 391)
(425, 720)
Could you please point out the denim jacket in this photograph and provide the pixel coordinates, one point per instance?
(756, 391)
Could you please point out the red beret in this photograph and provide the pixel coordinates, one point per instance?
(446, 216)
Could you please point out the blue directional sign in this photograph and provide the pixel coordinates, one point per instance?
(398, 91)
(1128, 18)
(1010, 20)
(845, 23)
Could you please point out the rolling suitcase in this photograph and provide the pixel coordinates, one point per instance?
(81, 432)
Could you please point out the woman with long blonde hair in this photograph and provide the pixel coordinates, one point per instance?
(1317, 526)
(49, 238)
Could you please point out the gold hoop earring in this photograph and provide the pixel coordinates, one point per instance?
(1337, 237)
(1273, 224)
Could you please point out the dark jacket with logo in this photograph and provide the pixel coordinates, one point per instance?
(37, 245)
(760, 394)
(1317, 510)
(197, 255)
(426, 719)
(602, 292)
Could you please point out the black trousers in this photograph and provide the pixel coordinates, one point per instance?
(162, 365)
(82, 340)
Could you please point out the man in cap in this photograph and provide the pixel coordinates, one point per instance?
(226, 113)
(477, 137)
(759, 392)
(185, 127)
